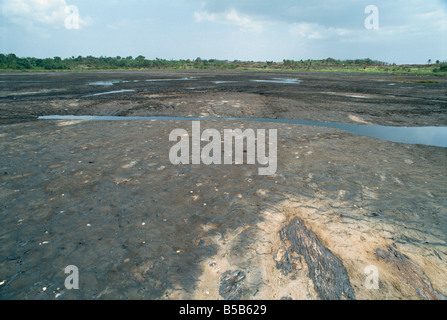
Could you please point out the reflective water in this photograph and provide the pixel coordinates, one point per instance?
(109, 92)
(280, 80)
(12, 81)
(162, 80)
(433, 136)
(113, 82)
(222, 82)
(104, 83)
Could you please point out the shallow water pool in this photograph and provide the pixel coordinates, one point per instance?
(432, 136)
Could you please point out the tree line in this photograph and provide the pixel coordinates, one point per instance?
(13, 63)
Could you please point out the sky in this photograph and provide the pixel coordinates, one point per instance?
(394, 31)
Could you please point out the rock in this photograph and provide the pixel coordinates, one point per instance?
(408, 272)
(288, 261)
(330, 278)
(231, 285)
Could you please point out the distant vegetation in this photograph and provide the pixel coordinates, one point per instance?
(11, 62)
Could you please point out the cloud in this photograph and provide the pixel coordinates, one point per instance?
(243, 21)
(231, 16)
(328, 12)
(316, 31)
(426, 16)
(204, 16)
(41, 14)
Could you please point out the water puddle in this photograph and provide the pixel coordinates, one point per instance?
(24, 93)
(432, 136)
(105, 83)
(113, 82)
(222, 82)
(280, 80)
(163, 80)
(357, 96)
(109, 92)
(24, 81)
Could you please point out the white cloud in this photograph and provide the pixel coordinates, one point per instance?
(231, 17)
(243, 21)
(431, 21)
(38, 14)
(204, 16)
(316, 31)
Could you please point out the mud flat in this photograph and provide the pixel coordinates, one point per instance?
(391, 100)
(104, 196)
